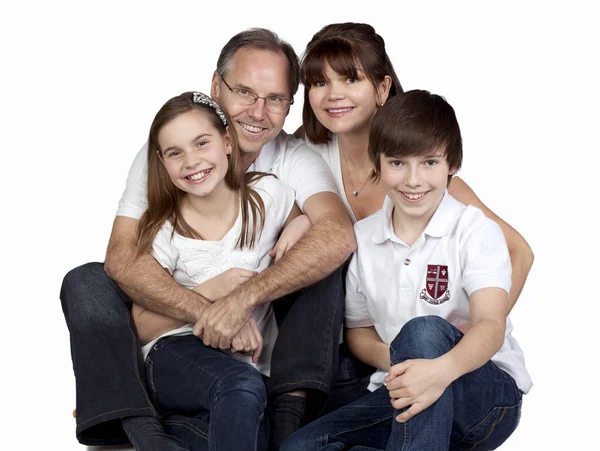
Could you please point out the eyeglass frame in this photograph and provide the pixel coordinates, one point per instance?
(256, 96)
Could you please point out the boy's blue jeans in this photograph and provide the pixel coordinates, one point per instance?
(478, 411)
(110, 374)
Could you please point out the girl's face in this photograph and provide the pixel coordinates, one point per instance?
(345, 104)
(194, 153)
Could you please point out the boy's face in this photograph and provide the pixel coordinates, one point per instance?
(416, 184)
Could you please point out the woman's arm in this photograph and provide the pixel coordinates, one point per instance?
(521, 255)
(296, 225)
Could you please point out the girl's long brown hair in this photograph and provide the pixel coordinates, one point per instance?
(164, 198)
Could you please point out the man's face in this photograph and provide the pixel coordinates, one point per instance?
(264, 73)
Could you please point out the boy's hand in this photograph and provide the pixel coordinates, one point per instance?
(416, 383)
(290, 236)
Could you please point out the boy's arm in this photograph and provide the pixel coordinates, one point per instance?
(366, 345)
(419, 383)
(489, 309)
(144, 280)
(521, 255)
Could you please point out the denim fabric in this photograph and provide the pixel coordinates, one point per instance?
(305, 354)
(109, 371)
(191, 383)
(478, 411)
(353, 377)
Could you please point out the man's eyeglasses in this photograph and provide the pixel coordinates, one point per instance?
(274, 104)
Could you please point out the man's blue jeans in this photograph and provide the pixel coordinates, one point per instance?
(478, 411)
(191, 384)
(110, 373)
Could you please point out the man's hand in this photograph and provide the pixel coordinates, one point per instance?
(224, 283)
(248, 340)
(219, 323)
(416, 383)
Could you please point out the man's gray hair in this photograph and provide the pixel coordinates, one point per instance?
(262, 39)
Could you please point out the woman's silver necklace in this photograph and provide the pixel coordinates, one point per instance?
(354, 191)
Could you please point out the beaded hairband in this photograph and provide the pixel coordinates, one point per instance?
(203, 98)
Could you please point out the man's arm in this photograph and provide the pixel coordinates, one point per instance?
(144, 280)
(521, 255)
(328, 244)
(323, 249)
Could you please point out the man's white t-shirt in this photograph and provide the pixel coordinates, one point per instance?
(460, 251)
(290, 159)
(330, 152)
(192, 261)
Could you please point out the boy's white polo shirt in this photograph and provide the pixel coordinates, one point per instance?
(460, 251)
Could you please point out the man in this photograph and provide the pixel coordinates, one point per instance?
(255, 80)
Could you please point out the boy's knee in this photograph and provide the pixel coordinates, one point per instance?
(422, 337)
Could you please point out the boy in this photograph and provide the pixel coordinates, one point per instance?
(425, 266)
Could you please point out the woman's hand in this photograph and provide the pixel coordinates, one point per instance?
(292, 233)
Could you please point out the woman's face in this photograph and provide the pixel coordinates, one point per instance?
(342, 104)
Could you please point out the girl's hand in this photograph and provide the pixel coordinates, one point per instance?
(248, 340)
(292, 233)
(416, 383)
(224, 283)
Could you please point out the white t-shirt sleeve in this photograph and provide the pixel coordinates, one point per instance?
(277, 197)
(305, 171)
(135, 200)
(357, 311)
(484, 256)
(163, 250)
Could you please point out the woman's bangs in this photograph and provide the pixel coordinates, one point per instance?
(337, 53)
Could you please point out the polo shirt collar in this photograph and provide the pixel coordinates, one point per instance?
(440, 224)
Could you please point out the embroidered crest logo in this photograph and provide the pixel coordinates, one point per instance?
(436, 285)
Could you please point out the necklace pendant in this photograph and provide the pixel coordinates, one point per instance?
(354, 193)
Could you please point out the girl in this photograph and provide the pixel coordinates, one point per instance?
(211, 226)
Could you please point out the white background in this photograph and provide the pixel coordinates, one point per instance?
(81, 82)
